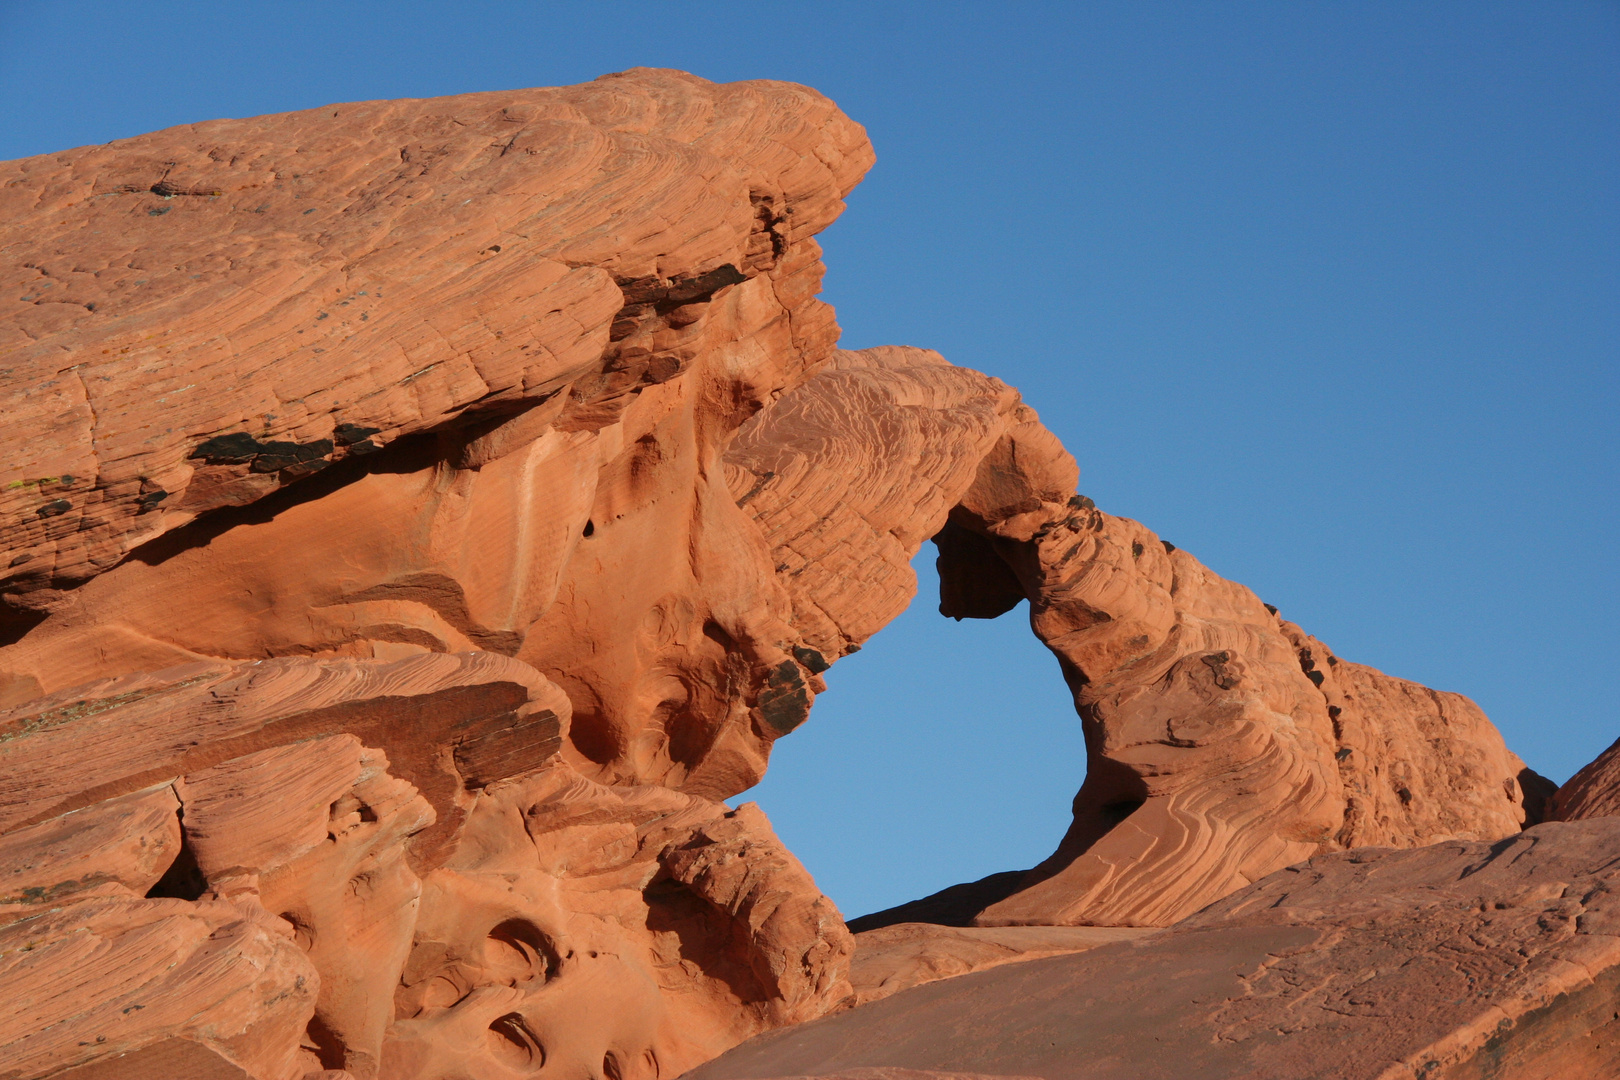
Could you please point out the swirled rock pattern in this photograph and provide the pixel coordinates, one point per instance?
(419, 515)
(282, 901)
(285, 292)
(1223, 743)
(367, 518)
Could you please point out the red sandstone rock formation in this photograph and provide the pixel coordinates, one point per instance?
(1459, 960)
(294, 907)
(1222, 742)
(902, 955)
(342, 432)
(422, 513)
(1592, 792)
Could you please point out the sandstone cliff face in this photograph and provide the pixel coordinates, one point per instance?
(422, 514)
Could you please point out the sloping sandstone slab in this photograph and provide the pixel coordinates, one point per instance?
(1458, 960)
(902, 955)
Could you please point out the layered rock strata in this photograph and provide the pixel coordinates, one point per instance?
(380, 629)
(421, 514)
(1223, 742)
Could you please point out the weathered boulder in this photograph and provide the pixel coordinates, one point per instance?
(1459, 960)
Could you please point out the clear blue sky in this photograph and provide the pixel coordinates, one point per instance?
(1326, 293)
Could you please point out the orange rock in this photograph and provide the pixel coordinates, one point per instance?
(902, 955)
(110, 974)
(1592, 792)
(1463, 959)
(850, 473)
(423, 513)
(125, 843)
(628, 932)
(1222, 742)
(558, 918)
(496, 716)
(286, 292)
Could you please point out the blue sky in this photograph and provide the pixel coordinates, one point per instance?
(1325, 293)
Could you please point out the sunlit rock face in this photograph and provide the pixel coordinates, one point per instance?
(420, 515)
(1459, 961)
(1223, 743)
(376, 604)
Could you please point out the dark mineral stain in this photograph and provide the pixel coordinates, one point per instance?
(239, 448)
(812, 660)
(347, 434)
(784, 704)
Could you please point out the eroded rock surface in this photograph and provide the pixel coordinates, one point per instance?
(290, 908)
(1223, 743)
(1462, 959)
(286, 292)
(368, 520)
(1592, 792)
(422, 514)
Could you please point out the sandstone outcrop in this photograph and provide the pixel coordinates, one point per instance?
(1459, 960)
(902, 955)
(1592, 792)
(338, 432)
(421, 514)
(279, 899)
(1223, 743)
(197, 317)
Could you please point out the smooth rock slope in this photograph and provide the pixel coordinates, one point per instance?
(1459, 960)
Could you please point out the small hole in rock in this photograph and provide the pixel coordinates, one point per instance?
(512, 1043)
(590, 529)
(517, 951)
(183, 880)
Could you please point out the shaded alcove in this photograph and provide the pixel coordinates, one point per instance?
(942, 752)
